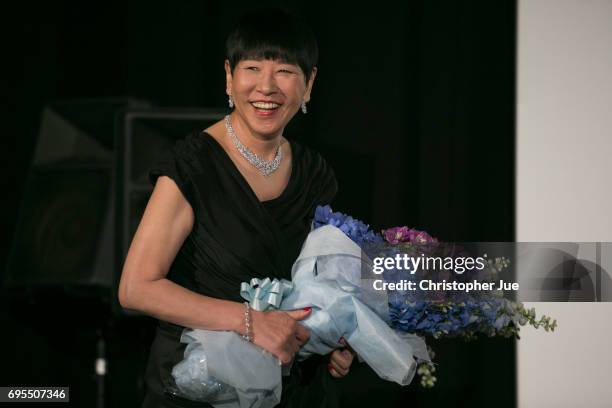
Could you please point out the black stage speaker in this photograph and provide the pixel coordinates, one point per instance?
(141, 138)
(86, 192)
(63, 237)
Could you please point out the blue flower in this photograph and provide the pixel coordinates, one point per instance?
(356, 230)
(453, 319)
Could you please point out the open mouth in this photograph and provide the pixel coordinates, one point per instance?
(265, 108)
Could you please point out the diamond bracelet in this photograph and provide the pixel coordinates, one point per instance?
(248, 334)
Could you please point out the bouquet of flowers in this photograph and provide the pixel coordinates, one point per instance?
(438, 316)
(333, 276)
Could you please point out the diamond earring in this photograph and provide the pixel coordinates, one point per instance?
(230, 101)
(304, 110)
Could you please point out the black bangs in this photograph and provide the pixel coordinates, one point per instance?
(276, 35)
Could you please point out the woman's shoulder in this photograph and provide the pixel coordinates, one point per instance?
(185, 148)
(317, 169)
(197, 149)
(186, 159)
(314, 160)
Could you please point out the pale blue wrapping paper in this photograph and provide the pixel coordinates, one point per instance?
(223, 369)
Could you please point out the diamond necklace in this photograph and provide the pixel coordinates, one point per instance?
(265, 167)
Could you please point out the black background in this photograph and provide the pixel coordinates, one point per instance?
(413, 105)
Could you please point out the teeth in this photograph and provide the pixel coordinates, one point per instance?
(265, 105)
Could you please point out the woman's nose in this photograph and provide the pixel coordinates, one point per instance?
(267, 83)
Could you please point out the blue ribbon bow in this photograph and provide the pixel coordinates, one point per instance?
(265, 294)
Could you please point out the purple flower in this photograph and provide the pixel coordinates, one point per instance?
(420, 237)
(397, 235)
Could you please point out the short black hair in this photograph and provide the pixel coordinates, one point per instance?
(271, 33)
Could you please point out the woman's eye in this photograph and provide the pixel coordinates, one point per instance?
(286, 71)
(252, 68)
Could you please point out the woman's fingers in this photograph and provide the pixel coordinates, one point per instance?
(290, 349)
(341, 358)
(348, 355)
(339, 362)
(333, 372)
(299, 314)
(294, 346)
(302, 333)
(335, 369)
(285, 358)
(280, 333)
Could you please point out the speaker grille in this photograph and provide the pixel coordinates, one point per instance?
(58, 232)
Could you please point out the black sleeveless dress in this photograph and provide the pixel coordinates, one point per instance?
(236, 237)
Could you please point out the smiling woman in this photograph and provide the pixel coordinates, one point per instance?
(274, 90)
(270, 70)
(234, 202)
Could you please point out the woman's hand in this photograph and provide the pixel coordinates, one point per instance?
(279, 332)
(340, 360)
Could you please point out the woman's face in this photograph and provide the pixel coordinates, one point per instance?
(267, 93)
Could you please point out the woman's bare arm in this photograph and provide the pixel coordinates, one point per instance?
(166, 223)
